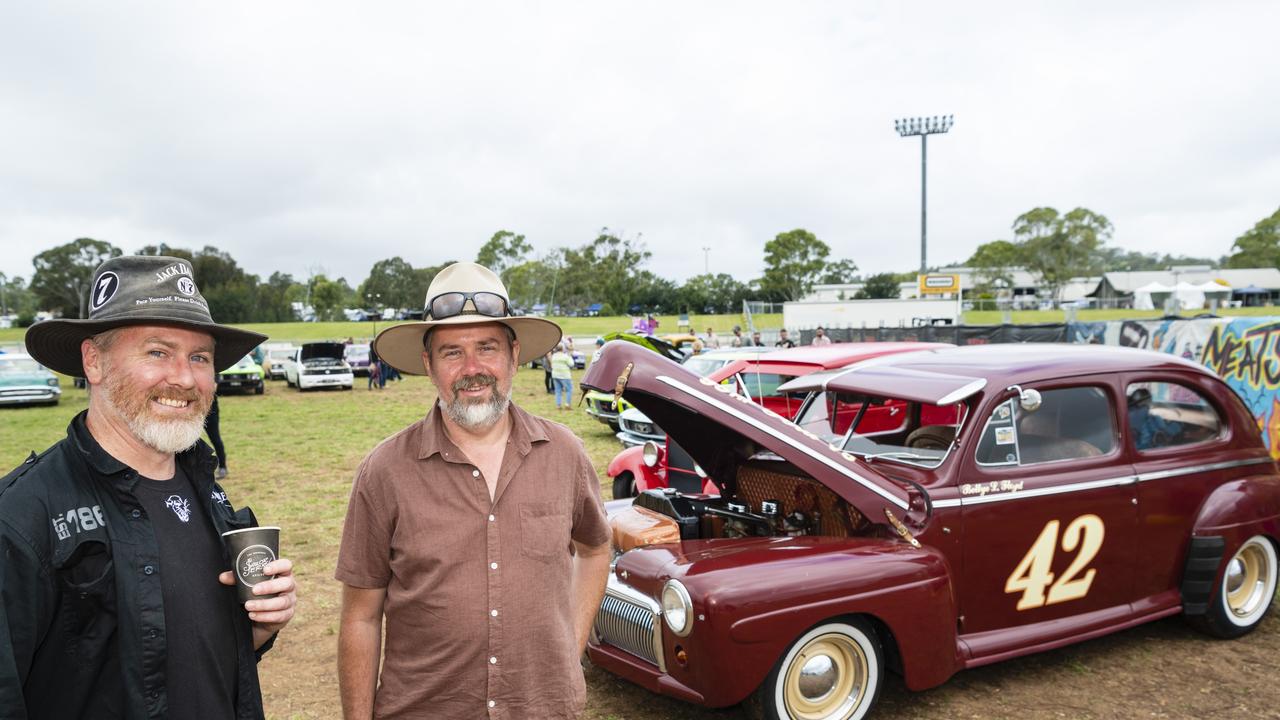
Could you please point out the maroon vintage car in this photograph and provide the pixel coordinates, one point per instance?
(1076, 491)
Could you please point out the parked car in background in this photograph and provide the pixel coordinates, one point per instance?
(23, 381)
(245, 376)
(756, 376)
(601, 406)
(1033, 496)
(357, 357)
(317, 365)
(277, 357)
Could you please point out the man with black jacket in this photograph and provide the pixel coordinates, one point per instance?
(116, 602)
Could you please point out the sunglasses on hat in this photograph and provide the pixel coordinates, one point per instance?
(446, 305)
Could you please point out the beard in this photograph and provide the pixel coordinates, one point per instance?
(166, 435)
(480, 413)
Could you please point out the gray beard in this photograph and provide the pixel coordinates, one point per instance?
(166, 436)
(481, 415)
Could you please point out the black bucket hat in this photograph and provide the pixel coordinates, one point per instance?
(137, 290)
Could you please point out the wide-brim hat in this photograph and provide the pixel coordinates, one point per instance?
(137, 290)
(400, 346)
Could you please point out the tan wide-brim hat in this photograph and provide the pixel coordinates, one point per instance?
(400, 346)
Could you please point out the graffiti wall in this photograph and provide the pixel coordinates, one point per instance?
(1242, 351)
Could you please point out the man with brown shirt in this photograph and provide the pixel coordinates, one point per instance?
(477, 532)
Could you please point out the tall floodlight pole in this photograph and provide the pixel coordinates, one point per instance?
(706, 260)
(924, 127)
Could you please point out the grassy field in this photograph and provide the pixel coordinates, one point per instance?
(576, 327)
(722, 324)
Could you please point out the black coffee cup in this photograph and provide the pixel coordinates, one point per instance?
(251, 549)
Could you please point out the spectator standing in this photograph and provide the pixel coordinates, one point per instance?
(546, 371)
(711, 340)
(599, 348)
(783, 340)
(215, 438)
(820, 337)
(375, 370)
(562, 376)
(738, 340)
(755, 340)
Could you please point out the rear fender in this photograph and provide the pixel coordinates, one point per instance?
(632, 460)
(1241, 508)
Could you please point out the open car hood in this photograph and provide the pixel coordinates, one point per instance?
(902, 383)
(718, 428)
(312, 351)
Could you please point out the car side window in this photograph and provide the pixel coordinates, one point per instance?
(1163, 414)
(1070, 423)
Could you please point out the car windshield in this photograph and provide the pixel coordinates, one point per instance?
(884, 428)
(357, 352)
(280, 354)
(705, 366)
(18, 366)
(245, 361)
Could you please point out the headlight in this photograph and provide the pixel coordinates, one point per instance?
(698, 469)
(53, 382)
(650, 453)
(677, 608)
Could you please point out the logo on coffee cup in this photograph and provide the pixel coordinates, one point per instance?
(251, 561)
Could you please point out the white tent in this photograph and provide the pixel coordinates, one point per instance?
(1188, 296)
(1214, 288)
(1143, 297)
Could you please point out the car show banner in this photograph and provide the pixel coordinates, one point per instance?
(1241, 350)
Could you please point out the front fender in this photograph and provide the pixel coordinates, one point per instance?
(632, 460)
(757, 606)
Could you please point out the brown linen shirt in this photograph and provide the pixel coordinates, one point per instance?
(479, 607)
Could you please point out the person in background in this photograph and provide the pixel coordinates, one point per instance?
(546, 373)
(562, 376)
(375, 369)
(599, 348)
(783, 340)
(697, 346)
(711, 341)
(215, 438)
(755, 340)
(738, 340)
(820, 337)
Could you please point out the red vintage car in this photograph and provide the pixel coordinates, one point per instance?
(756, 377)
(1075, 491)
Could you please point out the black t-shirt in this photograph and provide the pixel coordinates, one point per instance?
(200, 668)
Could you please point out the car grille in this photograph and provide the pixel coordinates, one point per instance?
(628, 625)
(324, 371)
(603, 406)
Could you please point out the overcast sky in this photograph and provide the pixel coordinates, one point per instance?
(319, 136)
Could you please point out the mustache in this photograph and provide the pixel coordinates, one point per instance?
(466, 381)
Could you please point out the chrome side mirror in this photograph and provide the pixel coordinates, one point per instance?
(1028, 399)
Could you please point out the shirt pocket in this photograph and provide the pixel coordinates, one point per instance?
(544, 531)
(87, 583)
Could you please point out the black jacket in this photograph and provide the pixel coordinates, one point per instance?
(82, 619)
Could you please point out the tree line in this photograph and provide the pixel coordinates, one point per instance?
(609, 274)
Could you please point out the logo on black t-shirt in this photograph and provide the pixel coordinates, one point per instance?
(180, 507)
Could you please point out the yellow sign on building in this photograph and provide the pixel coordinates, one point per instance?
(939, 284)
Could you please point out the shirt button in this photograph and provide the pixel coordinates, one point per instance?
(148, 570)
(492, 566)
(494, 613)
(493, 661)
(136, 513)
(492, 518)
(475, 473)
(155, 633)
(492, 703)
